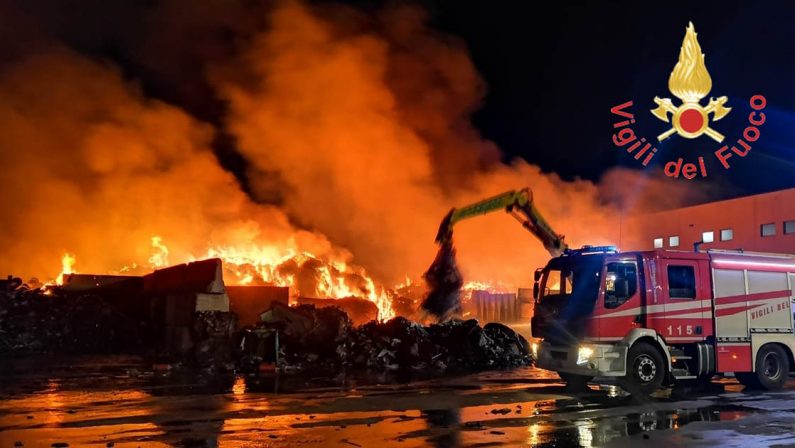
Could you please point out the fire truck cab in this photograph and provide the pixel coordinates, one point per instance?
(653, 318)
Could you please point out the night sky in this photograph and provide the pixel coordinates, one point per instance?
(552, 78)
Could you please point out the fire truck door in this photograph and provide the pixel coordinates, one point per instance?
(685, 300)
(618, 308)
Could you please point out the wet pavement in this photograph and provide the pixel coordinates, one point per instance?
(115, 402)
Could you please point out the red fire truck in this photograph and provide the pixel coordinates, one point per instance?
(651, 318)
(657, 317)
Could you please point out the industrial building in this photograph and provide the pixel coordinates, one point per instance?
(761, 223)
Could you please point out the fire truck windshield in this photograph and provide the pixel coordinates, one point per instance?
(572, 283)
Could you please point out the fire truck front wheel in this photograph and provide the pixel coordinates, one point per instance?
(645, 370)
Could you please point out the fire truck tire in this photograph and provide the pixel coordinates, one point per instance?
(646, 370)
(772, 369)
(575, 382)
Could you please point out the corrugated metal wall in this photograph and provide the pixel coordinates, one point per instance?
(495, 307)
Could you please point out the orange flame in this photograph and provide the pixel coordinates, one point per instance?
(158, 259)
(303, 272)
(67, 267)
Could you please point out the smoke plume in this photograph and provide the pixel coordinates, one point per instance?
(90, 166)
(354, 130)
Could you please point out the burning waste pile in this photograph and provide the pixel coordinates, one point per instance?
(308, 338)
(183, 316)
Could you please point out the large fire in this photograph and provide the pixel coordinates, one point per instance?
(306, 274)
(349, 143)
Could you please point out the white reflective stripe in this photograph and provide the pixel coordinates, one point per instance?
(730, 305)
(654, 309)
(723, 306)
(689, 304)
(744, 263)
(678, 313)
(628, 312)
(681, 338)
(686, 316)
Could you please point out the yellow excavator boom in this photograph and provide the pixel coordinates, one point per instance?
(519, 203)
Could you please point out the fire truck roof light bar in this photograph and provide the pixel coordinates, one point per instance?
(591, 250)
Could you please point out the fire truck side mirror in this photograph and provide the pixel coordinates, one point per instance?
(537, 275)
(535, 290)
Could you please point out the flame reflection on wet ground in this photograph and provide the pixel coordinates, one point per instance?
(123, 404)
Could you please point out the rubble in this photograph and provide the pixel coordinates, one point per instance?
(314, 347)
(56, 322)
(359, 310)
(312, 339)
(213, 332)
(32, 322)
(10, 284)
(180, 317)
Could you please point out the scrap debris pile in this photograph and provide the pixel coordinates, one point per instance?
(32, 323)
(185, 316)
(452, 346)
(324, 339)
(211, 334)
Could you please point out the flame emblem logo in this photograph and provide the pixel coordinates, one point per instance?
(690, 82)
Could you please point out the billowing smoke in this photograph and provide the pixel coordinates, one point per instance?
(369, 130)
(90, 166)
(355, 132)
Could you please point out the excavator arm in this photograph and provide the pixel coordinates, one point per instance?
(519, 203)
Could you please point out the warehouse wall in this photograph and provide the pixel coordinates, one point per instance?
(740, 219)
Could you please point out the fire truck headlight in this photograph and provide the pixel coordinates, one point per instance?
(534, 348)
(584, 354)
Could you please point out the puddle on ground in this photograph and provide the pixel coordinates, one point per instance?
(524, 407)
